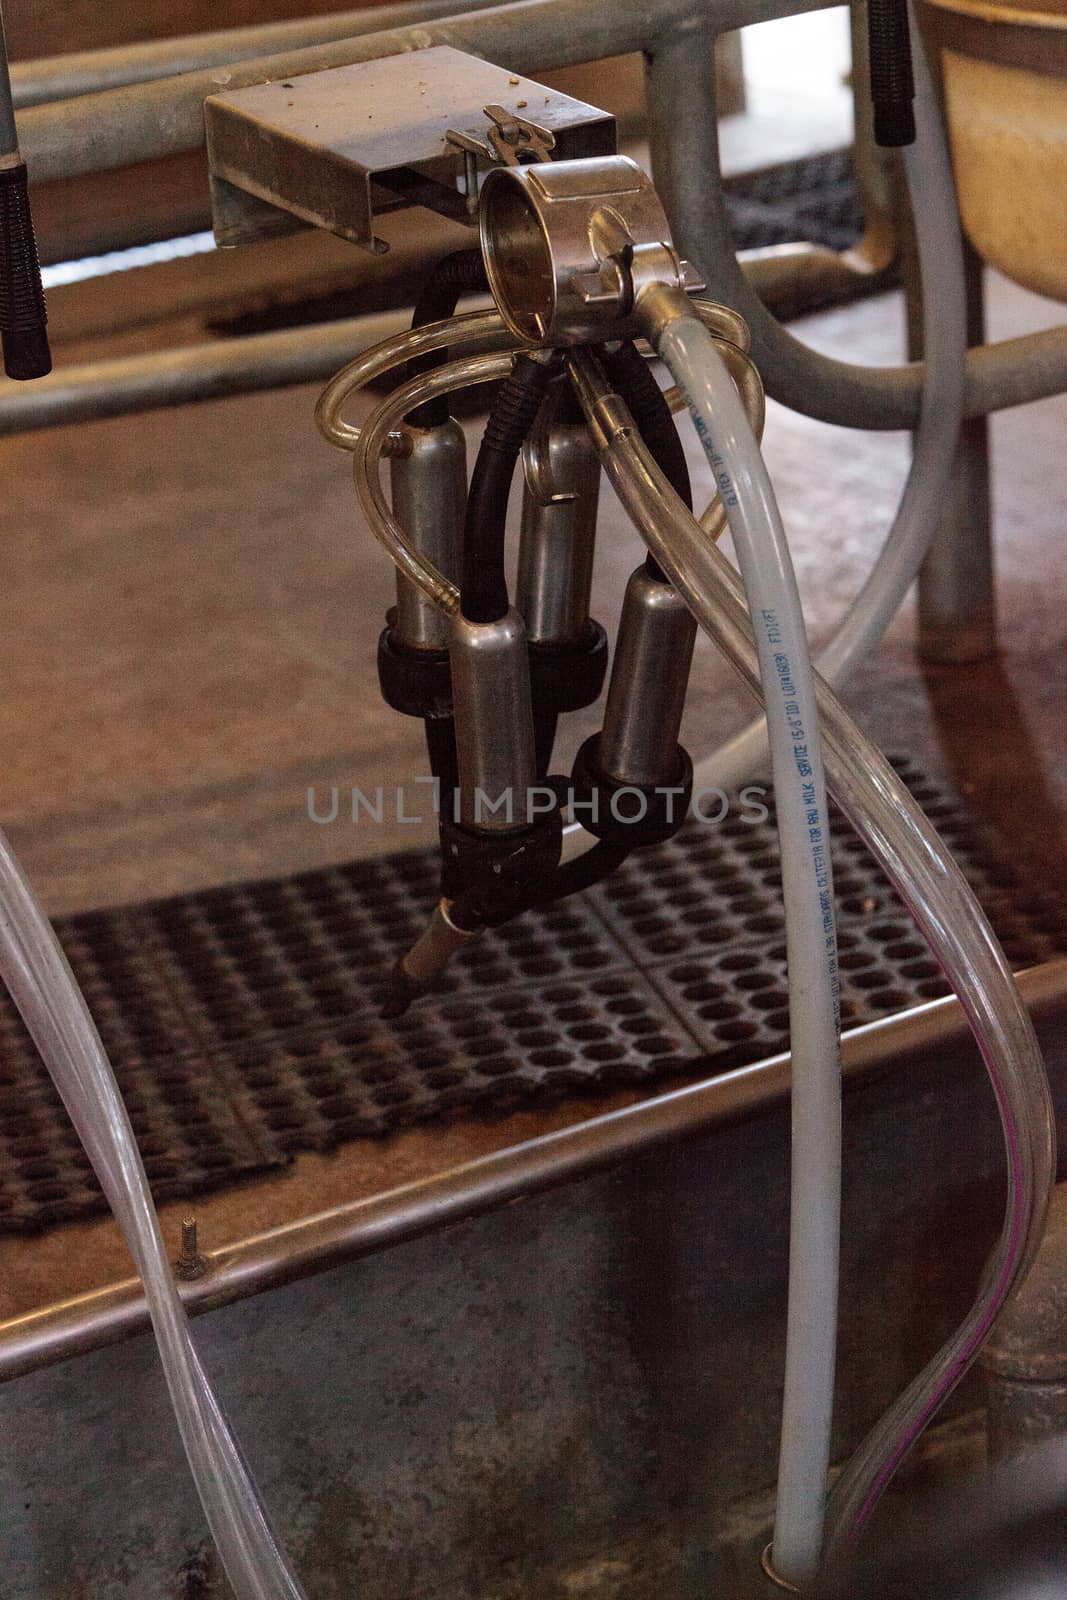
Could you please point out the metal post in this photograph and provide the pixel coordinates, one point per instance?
(957, 598)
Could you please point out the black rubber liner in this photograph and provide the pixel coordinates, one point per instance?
(243, 1022)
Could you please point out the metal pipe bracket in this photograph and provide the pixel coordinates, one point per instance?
(334, 149)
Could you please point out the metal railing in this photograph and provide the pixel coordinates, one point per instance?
(114, 127)
(367, 1227)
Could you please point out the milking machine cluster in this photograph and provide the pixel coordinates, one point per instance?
(577, 255)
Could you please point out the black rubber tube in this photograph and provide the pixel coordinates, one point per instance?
(456, 275)
(441, 750)
(546, 721)
(23, 317)
(484, 590)
(574, 877)
(892, 84)
(584, 872)
(635, 382)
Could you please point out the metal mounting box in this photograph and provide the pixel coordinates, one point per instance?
(332, 149)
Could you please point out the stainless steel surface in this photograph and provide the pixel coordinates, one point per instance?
(494, 722)
(294, 152)
(558, 540)
(298, 1250)
(429, 501)
(190, 373)
(65, 77)
(1025, 1358)
(649, 674)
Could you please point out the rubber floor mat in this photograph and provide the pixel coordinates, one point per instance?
(814, 198)
(244, 1022)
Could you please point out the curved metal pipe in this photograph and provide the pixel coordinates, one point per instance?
(142, 122)
(998, 375)
(191, 373)
(79, 72)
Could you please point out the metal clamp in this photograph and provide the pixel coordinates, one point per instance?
(510, 140)
(570, 245)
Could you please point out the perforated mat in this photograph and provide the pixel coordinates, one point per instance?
(813, 198)
(244, 1025)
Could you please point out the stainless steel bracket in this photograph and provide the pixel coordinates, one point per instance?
(334, 149)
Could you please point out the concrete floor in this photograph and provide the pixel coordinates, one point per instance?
(192, 605)
(187, 638)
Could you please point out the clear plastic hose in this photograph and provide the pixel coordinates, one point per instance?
(475, 332)
(44, 989)
(484, 329)
(380, 435)
(940, 249)
(939, 899)
(803, 828)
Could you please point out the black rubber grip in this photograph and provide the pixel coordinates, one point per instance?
(892, 83)
(484, 591)
(23, 317)
(461, 273)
